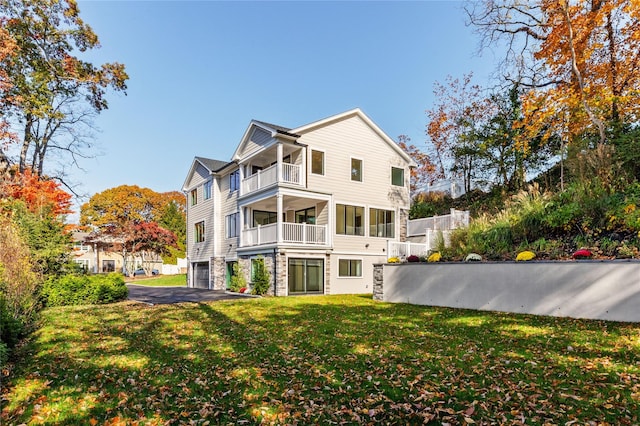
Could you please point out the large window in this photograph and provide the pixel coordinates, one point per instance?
(207, 190)
(397, 176)
(264, 218)
(356, 169)
(194, 197)
(349, 268)
(234, 180)
(317, 162)
(381, 223)
(232, 225)
(306, 275)
(349, 220)
(198, 232)
(306, 216)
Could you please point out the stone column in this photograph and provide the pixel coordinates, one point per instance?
(378, 281)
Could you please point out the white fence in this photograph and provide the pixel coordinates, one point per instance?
(433, 229)
(456, 219)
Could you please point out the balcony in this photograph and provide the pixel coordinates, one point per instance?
(291, 174)
(292, 233)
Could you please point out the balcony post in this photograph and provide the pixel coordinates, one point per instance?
(240, 180)
(304, 233)
(279, 163)
(279, 210)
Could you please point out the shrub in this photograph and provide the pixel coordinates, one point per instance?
(393, 260)
(84, 289)
(582, 254)
(473, 257)
(434, 257)
(413, 258)
(238, 279)
(261, 277)
(525, 256)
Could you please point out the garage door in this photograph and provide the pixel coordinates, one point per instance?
(201, 275)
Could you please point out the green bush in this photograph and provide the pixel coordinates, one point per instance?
(261, 278)
(237, 280)
(84, 289)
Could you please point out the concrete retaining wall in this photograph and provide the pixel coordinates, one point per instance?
(607, 290)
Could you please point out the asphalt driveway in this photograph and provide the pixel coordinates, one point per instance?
(167, 295)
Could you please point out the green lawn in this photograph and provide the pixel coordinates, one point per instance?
(160, 281)
(321, 360)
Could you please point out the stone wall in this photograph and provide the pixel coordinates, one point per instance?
(218, 273)
(606, 290)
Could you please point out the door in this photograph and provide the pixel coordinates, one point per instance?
(306, 276)
(201, 275)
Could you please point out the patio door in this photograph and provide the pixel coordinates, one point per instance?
(306, 276)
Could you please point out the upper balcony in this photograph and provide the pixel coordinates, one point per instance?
(291, 174)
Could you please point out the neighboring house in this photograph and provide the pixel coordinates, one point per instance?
(318, 203)
(90, 253)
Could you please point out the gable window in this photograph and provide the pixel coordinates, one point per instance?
(349, 220)
(397, 176)
(349, 268)
(381, 223)
(207, 190)
(231, 225)
(234, 180)
(198, 232)
(194, 197)
(317, 162)
(356, 170)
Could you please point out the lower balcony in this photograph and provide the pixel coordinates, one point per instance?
(292, 233)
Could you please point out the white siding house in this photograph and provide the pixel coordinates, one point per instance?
(318, 202)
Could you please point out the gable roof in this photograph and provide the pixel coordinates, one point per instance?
(212, 166)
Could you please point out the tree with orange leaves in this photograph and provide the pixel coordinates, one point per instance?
(580, 61)
(41, 196)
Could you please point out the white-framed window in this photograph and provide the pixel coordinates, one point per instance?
(198, 232)
(194, 197)
(83, 263)
(234, 180)
(397, 176)
(231, 225)
(356, 169)
(206, 189)
(349, 268)
(317, 162)
(349, 220)
(382, 223)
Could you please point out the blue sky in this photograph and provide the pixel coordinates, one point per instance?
(201, 70)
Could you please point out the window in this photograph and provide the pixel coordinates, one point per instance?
(317, 162)
(231, 225)
(397, 176)
(108, 266)
(306, 216)
(264, 218)
(83, 263)
(198, 232)
(356, 169)
(194, 197)
(207, 190)
(349, 220)
(234, 180)
(349, 268)
(381, 223)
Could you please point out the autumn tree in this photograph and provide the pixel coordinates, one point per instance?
(51, 93)
(580, 61)
(120, 215)
(452, 123)
(425, 171)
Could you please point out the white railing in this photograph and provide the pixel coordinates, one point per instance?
(408, 248)
(456, 219)
(292, 233)
(290, 174)
(304, 233)
(259, 235)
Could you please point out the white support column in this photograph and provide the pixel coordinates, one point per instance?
(279, 163)
(303, 168)
(279, 210)
(240, 179)
(240, 226)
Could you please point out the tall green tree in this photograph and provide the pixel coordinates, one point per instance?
(52, 94)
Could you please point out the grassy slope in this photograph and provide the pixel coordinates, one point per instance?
(310, 360)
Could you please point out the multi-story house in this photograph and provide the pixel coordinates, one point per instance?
(318, 203)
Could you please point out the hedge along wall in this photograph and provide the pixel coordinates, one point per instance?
(607, 290)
